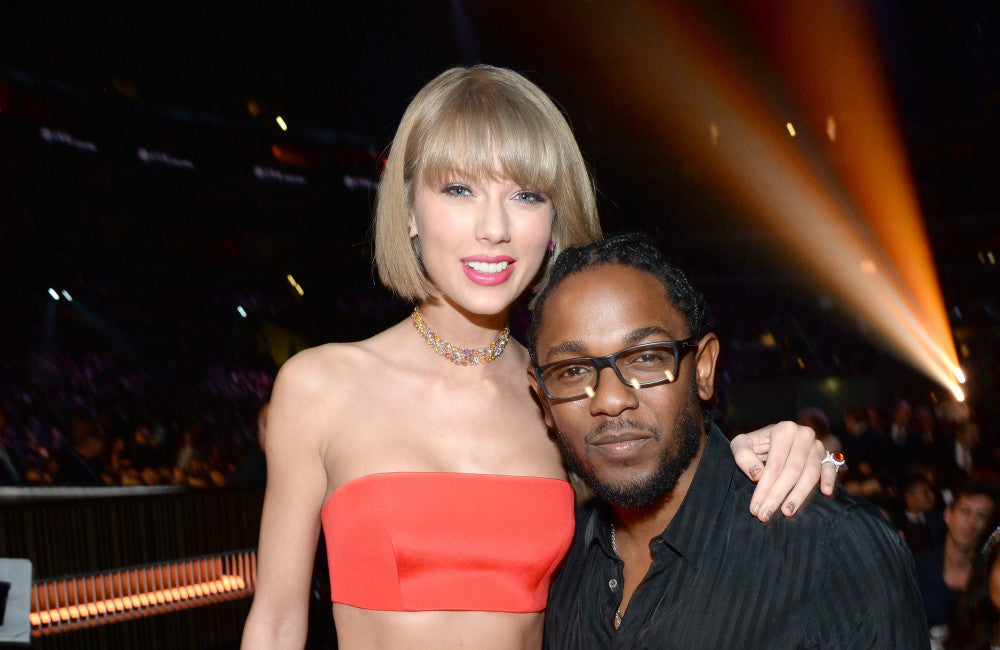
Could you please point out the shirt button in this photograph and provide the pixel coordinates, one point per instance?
(613, 584)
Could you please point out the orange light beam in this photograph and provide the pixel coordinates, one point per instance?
(845, 210)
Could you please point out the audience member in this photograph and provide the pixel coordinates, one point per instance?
(974, 623)
(10, 473)
(251, 469)
(905, 447)
(943, 570)
(922, 524)
(83, 462)
(863, 444)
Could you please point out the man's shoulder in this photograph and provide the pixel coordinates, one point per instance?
(840, 515)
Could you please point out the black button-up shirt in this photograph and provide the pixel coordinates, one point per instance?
(836, 575)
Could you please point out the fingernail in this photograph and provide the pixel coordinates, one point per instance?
(754, 509)
(790, 507)
(755, 472)
(765, 515)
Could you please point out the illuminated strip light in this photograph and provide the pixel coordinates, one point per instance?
(82, 601)
(61, 137)
(359, 182)
(162, 158)
(276, 175)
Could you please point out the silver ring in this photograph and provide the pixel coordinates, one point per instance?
(834, 457)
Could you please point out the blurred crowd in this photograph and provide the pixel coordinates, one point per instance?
(87, 419)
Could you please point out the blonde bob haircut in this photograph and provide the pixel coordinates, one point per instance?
(480, 122)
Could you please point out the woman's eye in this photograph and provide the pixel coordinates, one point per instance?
(457, 190)
(530, 197)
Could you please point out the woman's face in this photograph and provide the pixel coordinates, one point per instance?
(481, 241)
(995, 583)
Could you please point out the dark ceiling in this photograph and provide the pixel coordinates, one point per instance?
(343, 71)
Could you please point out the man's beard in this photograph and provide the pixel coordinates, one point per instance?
(674, 460)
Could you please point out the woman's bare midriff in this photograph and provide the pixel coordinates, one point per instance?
(366, 629)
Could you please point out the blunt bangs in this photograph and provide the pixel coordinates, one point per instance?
(484, 133)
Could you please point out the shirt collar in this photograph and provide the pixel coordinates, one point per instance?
(692, 527)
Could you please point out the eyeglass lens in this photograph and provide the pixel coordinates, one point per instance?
(641, 367)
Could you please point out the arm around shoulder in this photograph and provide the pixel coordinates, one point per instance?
(298, 423)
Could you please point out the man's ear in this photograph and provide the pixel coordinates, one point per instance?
(542, 401)
(705, 358)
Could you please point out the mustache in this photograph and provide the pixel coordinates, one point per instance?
(621, 424)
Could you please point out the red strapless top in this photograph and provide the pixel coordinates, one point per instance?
(419, 541)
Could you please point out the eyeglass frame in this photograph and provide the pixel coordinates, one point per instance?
(608, 361)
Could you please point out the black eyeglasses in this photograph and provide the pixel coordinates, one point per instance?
(646, 364)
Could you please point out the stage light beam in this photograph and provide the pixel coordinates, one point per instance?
(841, 206)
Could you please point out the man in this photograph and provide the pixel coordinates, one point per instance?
(862, 443)
(82, 463)
(922, 525)
(10, 473)
(944, 569)
(251, 469)
(906, 446)
(669, 558)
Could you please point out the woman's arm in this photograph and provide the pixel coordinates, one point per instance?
(784, 460)
(296, 487)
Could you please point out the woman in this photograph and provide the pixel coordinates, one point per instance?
(445, 503)
(974, 623)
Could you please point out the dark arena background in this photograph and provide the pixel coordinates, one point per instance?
(186, 193)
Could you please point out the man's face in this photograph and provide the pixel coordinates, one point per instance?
(902, 414)
(920, 498)
(630, 445)
(968, 517)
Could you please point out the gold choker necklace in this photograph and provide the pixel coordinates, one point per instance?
(460, 356)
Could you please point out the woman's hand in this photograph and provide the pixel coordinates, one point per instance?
(784, 459)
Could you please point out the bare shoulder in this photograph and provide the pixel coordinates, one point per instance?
(311, 389)
(315, 369)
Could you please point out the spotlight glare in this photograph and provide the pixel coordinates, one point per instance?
(281, 123)
(959, 375)
(66, 295)
(52, 292)
(830, 205)
(295, 285)
(957, 392)
(242, 312)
